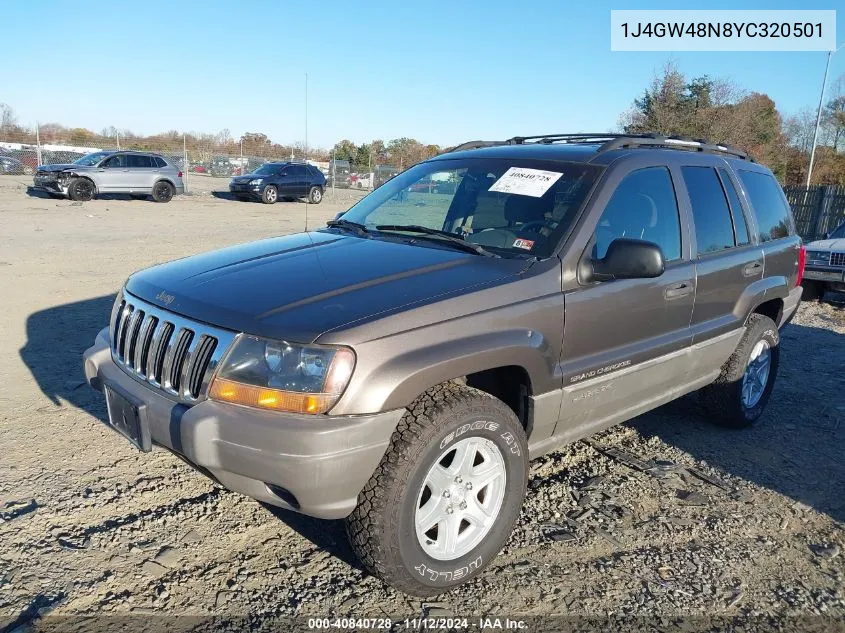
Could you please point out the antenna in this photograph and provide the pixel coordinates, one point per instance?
(307, 193)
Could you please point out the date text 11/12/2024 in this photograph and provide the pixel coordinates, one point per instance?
(418, 624)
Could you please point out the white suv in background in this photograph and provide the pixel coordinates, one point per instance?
(139, 174)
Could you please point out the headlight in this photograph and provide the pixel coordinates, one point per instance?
(282, 376)
(256, 181)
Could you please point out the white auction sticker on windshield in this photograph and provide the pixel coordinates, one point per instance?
(526, 182)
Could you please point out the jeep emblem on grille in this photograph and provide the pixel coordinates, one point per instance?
(165, 298)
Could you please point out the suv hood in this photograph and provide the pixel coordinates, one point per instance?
(62, 167)
(298, 286)
(827, 245)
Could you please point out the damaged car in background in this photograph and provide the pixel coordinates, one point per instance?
(139, 174)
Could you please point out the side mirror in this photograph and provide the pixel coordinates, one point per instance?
(827, 235)
(628, 259)
(339, 215)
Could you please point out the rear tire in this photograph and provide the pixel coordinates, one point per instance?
(813, 290)
(80, 190)
(270, 194)
(315, 195)
(450, 437)
(163, 191)
(738, 397)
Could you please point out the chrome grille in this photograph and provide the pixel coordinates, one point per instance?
(169, 352)
(837, 259)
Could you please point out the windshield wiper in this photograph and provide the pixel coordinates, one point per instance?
(356, 227)
(451, 238)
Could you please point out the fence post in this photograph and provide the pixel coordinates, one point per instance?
(185, 162)
(37, 144)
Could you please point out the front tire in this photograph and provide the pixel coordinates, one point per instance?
(447, 493)
(80, 190)
(738, 397)
(163, 191)
(270, 194)
(315, 195)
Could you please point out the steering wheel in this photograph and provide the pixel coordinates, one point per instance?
(536, 226)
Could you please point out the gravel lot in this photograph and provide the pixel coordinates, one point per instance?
(664, 516)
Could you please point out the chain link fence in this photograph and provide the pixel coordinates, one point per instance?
(21, 151)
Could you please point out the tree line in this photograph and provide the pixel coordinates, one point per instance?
(673, 104)
(722, 112)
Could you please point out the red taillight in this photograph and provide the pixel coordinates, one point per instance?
(179, 174)
(802, 260)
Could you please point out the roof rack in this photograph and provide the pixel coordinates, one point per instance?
(610, 141)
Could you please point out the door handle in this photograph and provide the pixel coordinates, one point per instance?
(678, 290)
(752, 269)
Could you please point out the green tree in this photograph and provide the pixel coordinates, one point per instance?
(345, 150)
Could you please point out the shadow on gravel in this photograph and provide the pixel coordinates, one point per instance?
(224, 195)
(327, 535)
(795, 449)
(55, 340)
(38, 193)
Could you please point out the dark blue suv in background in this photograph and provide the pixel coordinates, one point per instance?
(287, 180)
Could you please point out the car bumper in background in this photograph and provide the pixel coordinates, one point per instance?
(252, 191)
(50, 186)
(824, 274)
(314, 464)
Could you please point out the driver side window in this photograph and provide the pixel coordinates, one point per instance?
(114, 162)
(643, 207)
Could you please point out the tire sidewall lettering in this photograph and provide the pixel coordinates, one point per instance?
(443, 573)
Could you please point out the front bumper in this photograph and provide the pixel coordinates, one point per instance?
(824, 273)
(50, 186)
(316, 465)
(251, 191)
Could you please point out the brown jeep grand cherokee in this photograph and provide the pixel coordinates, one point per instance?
(401, 366)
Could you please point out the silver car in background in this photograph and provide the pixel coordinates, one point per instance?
(139, 174)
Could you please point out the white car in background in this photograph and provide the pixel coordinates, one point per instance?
(825, 267)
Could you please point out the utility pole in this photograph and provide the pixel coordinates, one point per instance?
(819, 114)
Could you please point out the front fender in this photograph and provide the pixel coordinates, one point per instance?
(402, 377)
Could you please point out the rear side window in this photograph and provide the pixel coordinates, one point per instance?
(740, 226)
(773, 217)
(159, 162)
(643, 207)
(136, 160)
(713, 226)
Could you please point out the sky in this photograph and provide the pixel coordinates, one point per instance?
(442, 72)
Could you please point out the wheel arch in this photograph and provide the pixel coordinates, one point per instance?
(511, 365)
(764, 296)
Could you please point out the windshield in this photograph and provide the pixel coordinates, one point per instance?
(91, 159)
(511, 207)
(839, 233)
(267, 169)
